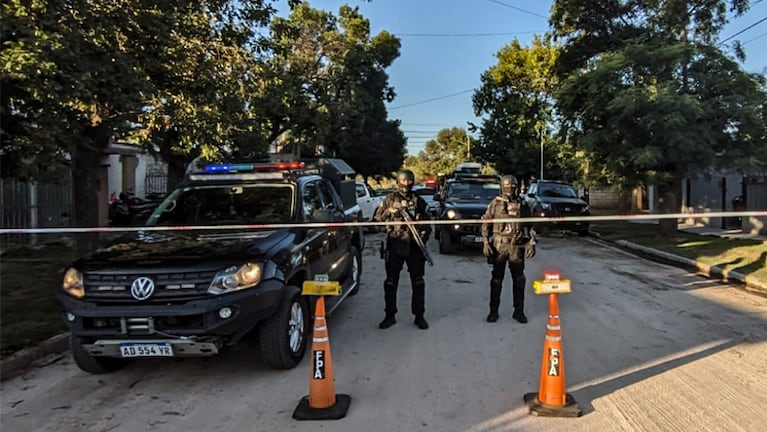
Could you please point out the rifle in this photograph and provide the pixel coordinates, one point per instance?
(414, 232)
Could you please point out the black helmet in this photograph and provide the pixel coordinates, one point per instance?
(509, 186)
(405, 181)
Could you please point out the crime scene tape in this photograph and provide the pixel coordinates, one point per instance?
(535, 219)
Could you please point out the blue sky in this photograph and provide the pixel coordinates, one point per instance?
(447, 44)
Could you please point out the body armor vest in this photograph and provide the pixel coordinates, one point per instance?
(508, 209)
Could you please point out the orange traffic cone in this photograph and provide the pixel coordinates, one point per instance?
(551, 399)
(322, 403)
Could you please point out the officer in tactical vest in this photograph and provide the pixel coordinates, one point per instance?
(508, 243)
(401, 248)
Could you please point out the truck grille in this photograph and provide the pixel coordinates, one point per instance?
(568, 209)
(167, 286)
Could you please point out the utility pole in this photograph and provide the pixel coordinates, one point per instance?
(468, 146)
(540, 175)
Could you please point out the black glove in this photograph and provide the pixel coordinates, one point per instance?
(530, 249)
(424, 236)
(487, 250)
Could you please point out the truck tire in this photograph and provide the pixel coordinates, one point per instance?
(283, 338)
(356, 269)
(91, 364)
(445, 242)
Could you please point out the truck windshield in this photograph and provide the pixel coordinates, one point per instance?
(557, 191)
(242, 204)
(473, 191)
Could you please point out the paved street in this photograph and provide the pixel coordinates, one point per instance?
(648, 347)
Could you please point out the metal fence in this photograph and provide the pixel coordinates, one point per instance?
(156, 183)
(35, 205)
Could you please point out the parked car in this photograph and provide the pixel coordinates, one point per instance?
(193, 293)
(427, 193)
(368, 200)
(552, 198)
(464, 196)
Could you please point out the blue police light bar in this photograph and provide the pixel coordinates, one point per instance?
(231, 168)
(227, 168)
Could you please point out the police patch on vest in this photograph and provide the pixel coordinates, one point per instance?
(319, 364)
(553, 362)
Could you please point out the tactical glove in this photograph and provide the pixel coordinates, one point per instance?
(424, 236)
(530, 249)
(395, 206)
(487, 250)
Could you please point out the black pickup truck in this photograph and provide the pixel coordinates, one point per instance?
(179, 292)
(464, 196)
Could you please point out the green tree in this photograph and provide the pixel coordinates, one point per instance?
(516, 104)
(441, 155)
(331, 86)
(652, 101)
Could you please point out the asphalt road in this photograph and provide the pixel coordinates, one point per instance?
(647, 347)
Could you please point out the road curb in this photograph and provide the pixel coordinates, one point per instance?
(749, 282)
(25, 359)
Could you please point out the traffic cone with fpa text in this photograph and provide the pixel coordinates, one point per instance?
(551, 399)
(322, 403)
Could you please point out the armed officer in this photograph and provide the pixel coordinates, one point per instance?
(508, 243)
(401, 249)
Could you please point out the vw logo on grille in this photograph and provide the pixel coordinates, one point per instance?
(142, 288)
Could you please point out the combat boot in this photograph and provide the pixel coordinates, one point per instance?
(519, 315)
(492, 316)
(420, 321)
(387, 322)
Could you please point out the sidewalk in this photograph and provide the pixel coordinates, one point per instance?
(749, 282)
(718, 232)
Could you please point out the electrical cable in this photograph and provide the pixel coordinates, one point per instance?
(518, 8)
(743, 30)
(431, 100)
(462, 34)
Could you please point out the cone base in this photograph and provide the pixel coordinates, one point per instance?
(569, 409)
(305, 412)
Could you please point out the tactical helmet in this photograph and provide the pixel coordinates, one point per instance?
(509, 186)
(405, 181)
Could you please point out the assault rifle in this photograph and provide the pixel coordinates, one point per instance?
(414, 232)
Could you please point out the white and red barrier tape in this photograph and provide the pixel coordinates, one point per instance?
(651, 217)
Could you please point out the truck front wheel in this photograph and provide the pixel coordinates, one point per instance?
(93, 364)
(284, 337)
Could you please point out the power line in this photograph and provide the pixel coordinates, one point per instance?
(462, 34)
(518, 8)
(755, 38)
(423, 124)
(431, 100)
(744, 30)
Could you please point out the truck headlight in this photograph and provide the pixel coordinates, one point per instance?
(236, 278)
(585, 209)
(545, 206)
(73, 283)
(452, 214)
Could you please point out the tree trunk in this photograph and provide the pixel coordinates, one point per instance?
(86, 160)
(176, 173)
(669, 196)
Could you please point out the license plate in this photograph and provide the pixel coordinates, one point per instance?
(477, 239)
(159, 349)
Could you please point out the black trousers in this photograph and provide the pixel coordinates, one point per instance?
(416, 264)
(513, 257)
